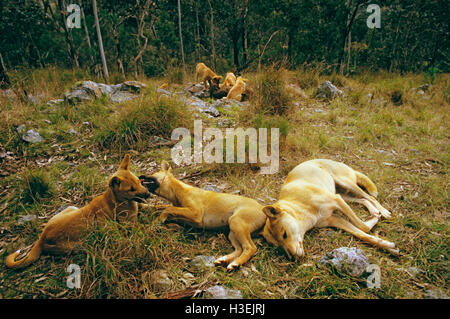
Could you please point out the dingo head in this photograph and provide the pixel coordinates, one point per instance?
(126, 186)
(284, 230)
(216, 80)
(159, 182)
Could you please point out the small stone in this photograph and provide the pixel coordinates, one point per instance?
(212, 188)
(72, 131)
(220, 292)
(349, 260)
(21, 129)
(32, 137)
(160, 280)
(25, 219)
(202, 261)
(55, 102)
(435, 294)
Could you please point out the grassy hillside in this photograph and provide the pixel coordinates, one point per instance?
(383, 126)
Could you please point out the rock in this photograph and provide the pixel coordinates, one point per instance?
(212, 188)
(202, 261)
(121, 96)
(88, 90)
(435, 294)
(77, 96)
(160, 280)
(163, 92)
(202, 106)
(32, 137)
(195, 88)
(349, 260)
(21, 129)
(72, 131)
(25, 219)
(55, 102)
(220, 292)
(132, 86)
(156, 140)
(328, 91)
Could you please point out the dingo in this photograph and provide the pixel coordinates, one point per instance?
(308, 199)
(207, 209)
(206, 75)
(64, 229)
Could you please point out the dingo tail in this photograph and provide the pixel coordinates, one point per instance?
(24, 257)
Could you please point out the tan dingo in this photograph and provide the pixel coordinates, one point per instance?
(63, 230)
(207, 76)
(308, 199)
(207, 209)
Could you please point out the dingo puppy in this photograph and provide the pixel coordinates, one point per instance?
(308, 199)
(64, 229)
(237, 90)
(206, 75)
(229, 82)
(207, 209)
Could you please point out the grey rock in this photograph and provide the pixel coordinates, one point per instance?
(156, 140)
(21, 129)
(25, 219)
(435, 294)
(32, 137)
(121, 96)
(220, 292)
(132, 86)
(160, 280)
(163, 92)
(55, 102)
(212, 188)
(349, 260)
(328, 91)
(202, 261)
(77, 96)
(195, 88)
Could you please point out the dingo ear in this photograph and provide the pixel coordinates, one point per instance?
(165, 166)
(114, 181)
(271, 211)
(125, 165)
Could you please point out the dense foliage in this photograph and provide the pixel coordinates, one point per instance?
(142, 36)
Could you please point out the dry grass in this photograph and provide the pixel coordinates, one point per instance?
(403, 148)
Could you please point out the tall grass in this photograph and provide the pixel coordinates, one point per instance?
(142, 118)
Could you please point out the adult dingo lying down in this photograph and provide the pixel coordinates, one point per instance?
(207, 209)
(308, 199)
(62, 231)
(207, 76)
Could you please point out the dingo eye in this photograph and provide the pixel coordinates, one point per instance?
(284, 235)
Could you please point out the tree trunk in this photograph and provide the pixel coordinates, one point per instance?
(346, 33)
(197, 32)
(180, 30)
(100, 42)
(213, 47)
(86, 32)
(4, 79)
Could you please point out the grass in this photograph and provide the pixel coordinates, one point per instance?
(403, 148)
